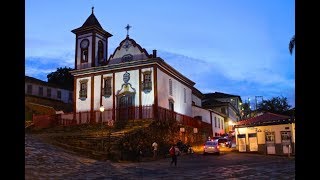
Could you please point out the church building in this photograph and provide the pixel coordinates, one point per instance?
(129, 77)
(128, 81)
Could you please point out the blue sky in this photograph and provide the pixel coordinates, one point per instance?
(235, 47)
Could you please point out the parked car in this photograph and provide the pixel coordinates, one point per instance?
(225, 142)
(211, 147)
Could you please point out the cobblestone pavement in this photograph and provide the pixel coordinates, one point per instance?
(45, 161)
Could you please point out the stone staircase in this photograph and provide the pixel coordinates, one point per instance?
(100, 145)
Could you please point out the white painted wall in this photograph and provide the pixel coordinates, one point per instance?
(83, 105)
(177, 94)
(148, 98)
(97, 92)
(54, 92)
(205, 114)
(261, 135)
(196, 100)
(215, 128)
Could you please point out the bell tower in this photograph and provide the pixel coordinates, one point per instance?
(91, 44)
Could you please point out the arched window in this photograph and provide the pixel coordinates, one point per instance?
(100, 51)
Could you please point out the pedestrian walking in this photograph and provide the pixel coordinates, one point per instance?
(174, 153)
(155, 149)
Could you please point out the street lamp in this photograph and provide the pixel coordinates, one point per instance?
(101, 111)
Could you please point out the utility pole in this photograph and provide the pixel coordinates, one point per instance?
(257, 101)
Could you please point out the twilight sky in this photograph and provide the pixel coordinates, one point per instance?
(235, 47)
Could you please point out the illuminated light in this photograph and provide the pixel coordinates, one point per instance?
(240, 103)
(230, 123)
(101, 108)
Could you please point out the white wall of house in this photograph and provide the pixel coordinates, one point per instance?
(196, 100)
(216, 119)
(260, 130)
(177, 94)
(54, 92)
(148, 98)
(205, 114)
(83, 105)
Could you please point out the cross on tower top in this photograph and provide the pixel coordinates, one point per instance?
(92, 9)
(127, 28)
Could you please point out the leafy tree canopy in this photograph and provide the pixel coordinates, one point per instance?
(246, 110)
(61, 77)
(278, 105)
(292, 43)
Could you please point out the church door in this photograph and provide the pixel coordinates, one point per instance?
(126, 106)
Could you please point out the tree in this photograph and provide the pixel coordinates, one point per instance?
(292, 44)
(278, 105)
(246, 110)
(61, 77)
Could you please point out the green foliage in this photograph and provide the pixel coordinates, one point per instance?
(292, 44)
(246, 109)
(61, 77)
(277, 105)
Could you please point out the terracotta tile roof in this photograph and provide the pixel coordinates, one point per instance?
(265, 119)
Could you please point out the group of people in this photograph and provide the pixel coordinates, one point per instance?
(174, 152)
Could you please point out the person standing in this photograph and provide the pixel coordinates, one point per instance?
(155, 149)
(174, 153)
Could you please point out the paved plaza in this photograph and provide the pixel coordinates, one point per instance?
(45, 161)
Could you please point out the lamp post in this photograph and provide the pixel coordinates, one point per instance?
(101, 111)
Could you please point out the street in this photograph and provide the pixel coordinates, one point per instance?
(45, 161)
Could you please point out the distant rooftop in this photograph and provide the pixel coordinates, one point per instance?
(216, 95)
(40, 82)
(266, 118)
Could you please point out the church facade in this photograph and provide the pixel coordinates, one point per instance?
(130, 77)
